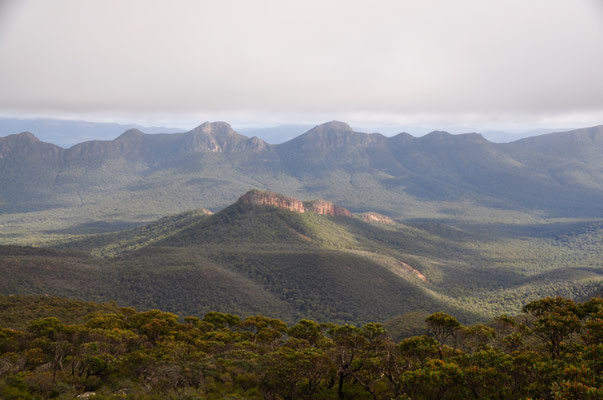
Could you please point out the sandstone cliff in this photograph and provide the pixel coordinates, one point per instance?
(325, 208)
(265, 198)
(376, 217)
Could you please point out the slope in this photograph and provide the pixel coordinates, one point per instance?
(279, 256)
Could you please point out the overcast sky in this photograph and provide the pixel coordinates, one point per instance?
(494, 64)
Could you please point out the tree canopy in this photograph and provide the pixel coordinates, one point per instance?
(552, 351)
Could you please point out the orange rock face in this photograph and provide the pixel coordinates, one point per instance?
(262, 198)
(375, 217)
(326, 208)
(257, 197)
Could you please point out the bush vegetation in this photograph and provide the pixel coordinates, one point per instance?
(552, 351)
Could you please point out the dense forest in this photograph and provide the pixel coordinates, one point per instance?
(63, 349)
(265, 260)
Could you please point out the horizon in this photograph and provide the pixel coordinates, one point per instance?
(485, 66)
(48, 130)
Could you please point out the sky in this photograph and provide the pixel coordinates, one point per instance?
(471, 64)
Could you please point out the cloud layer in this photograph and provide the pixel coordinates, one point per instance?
(381, 59)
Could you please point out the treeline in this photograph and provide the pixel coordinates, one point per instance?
(554, 350)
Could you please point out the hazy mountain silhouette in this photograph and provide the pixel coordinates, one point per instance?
(559, 174)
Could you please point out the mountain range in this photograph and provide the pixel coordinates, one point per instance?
(138, 177)
(66, 133)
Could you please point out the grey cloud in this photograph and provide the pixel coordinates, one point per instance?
(324, 57)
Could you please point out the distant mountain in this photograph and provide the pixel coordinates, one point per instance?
(66, 133)
(584, 144)
(138, 177)
(284, 257)
(333, 134)
(506, 137)
(282, 133)
(208, 137)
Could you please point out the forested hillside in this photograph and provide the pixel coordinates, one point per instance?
(291, 259)
(552, 351)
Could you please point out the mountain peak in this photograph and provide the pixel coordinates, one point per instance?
(27, 144)
(332, 126)
(130, 133)
(214, 128)
(437, 134)
(28, 136)
(334, 134)
(443, 137)
(218, 137)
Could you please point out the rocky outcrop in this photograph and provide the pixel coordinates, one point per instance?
(203, 211)
(256, 143)
(263, 198)
(325, 208)
(376, 217)
(218, 137)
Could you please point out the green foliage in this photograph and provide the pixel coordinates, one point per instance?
(442, 326)
(154, 355)
(556, 319)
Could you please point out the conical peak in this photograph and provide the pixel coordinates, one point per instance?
(28, 136)
(218, 137)
(130, 133)
(214, 128)
(332, 126)
(438, 134)
(332, 135)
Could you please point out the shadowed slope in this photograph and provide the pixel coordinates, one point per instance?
(259, 255)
